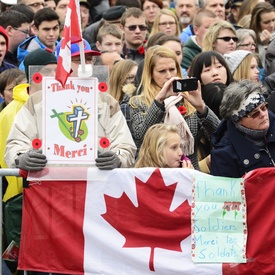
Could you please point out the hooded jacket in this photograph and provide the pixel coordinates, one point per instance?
(30, 44)
(234, 155)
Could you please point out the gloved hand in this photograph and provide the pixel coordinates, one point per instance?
(107, 161)
(33, 160)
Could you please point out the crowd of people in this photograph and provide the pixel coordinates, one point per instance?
(223, 128)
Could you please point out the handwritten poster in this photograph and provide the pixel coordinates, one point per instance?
(70, 120)
(218, 220)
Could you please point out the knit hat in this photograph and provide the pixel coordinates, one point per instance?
(113, 13)
(251, 102)
(3, 33)
(38, 57)
(75, 51)
(235, 58)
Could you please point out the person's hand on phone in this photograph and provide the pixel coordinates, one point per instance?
(195, 98)
(166, 91)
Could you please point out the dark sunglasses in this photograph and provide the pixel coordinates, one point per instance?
(228, 38)
(257, 113)
(133, 27)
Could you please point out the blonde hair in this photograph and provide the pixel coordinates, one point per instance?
(155, 27)
(151, 150)
(213, 32)
(118, 77)
(243, 71)
(150, 88)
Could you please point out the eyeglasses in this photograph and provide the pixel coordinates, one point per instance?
(88, 60)
(247, 45)
(228, 38)
(171, 23)
(26, 32)
(257, 113)
(133, 27)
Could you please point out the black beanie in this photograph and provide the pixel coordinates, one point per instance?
(38, 57)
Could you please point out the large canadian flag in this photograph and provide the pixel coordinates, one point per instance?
(134, 221)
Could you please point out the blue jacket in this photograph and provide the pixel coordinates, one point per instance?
(186, 33)
(30, 44)
(234, 155)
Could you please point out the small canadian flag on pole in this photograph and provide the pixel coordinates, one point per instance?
(71, 34)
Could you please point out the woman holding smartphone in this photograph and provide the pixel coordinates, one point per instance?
(158, 103)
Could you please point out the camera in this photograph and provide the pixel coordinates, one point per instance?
(184, 85)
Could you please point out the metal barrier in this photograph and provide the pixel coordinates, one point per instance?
(3, 173)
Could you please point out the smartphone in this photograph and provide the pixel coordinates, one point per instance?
(184, 85)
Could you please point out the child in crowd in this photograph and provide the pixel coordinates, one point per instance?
(162, 147)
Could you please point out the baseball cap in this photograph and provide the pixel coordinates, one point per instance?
(75, 50)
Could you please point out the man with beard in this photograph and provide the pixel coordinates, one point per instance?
(185, 10)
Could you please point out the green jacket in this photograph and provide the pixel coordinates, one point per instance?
(190, 50)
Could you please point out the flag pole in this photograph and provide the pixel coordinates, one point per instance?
(83, 70)
(80, 44)
(82, 57)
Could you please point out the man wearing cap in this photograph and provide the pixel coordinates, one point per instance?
(110, 16)
(111, 123)
(17, 27)
(4, 45)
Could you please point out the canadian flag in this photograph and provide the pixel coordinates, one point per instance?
(71, 34)
(134, 221)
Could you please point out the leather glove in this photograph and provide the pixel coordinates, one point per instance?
(107, 161)
(33, 160)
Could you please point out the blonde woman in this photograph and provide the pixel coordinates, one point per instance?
(220, 37)
(243, 65)
(122, 74)
(161, 147)
(122, 86)
(158, 100)
(167, 22)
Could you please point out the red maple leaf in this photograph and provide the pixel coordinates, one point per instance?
(151, 223)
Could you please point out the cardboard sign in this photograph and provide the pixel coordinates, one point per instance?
(70, 120)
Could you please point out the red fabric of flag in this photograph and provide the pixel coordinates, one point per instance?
(71, 34)
(52, 227)
(260, 251)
